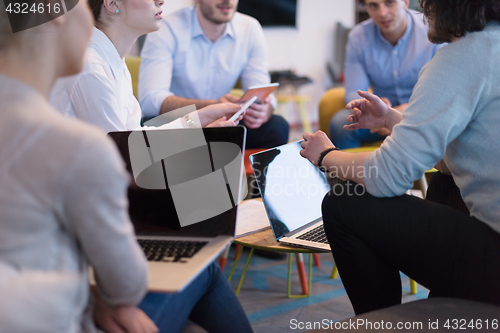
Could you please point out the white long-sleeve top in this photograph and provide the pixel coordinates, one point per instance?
(102, 93)
(63, 206)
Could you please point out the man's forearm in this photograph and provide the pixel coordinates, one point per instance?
(174, 102)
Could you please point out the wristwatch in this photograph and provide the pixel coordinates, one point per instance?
(189, 121)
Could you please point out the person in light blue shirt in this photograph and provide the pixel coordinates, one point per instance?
(197, 57)
(386, 53)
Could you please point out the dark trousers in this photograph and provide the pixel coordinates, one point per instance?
(442, 189)
(271, 134)
(443, 249)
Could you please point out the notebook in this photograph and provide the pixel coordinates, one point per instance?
(251, 219)
(183, 197)
(292, 191)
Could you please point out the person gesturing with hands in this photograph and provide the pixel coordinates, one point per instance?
(371, 112)
(368, 112)
(321, 152)
(452, 116)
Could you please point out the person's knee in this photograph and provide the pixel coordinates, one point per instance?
(280, 129)
(331, 205)
(336, 127)
(338, 120)
(343, 198)
(214, 270)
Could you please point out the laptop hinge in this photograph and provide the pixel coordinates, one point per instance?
(291, 233)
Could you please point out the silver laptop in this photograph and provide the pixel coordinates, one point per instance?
(183, 197)
(292, 190)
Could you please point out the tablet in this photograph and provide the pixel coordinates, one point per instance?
(261, 92)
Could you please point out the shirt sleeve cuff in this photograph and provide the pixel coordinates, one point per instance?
(152, 107)
(177, 123)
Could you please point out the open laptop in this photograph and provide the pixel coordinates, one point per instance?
(292, 190)
(183, 197)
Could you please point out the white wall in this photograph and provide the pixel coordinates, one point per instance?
(305, 49)
(172, 5)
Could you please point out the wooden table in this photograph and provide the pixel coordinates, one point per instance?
(265, 240)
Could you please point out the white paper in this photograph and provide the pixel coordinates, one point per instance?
(251, 218)
(415, 193)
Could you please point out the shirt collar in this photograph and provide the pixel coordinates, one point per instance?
(409, 27)
(196, 29)
(230, 29)
(109, 52)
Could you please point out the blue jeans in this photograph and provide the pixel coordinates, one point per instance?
(349, 139)
(271, 134)
(208, 301)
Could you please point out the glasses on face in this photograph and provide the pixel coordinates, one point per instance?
(374, 6)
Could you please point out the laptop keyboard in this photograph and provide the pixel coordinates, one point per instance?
(169, 250)
(316, 235)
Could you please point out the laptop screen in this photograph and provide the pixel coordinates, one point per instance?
(292, 188)
(184, 182)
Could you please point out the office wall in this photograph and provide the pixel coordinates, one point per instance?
(305, 49)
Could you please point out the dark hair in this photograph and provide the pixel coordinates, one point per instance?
(454, 18)
(95, 6)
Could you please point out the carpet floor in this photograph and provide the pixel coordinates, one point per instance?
(264, 293)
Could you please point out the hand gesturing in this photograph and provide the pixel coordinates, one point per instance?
(369, 112)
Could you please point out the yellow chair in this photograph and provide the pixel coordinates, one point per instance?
(237, 92)
(133, 64)
(300, 101)
(331, 103)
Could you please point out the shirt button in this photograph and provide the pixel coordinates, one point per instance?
(395, 52)
(395, 73)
